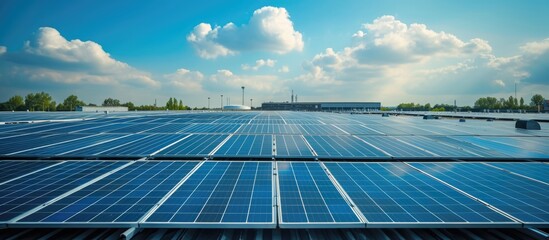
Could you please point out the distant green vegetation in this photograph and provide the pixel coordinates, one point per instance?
(44, 102)
(484, 103)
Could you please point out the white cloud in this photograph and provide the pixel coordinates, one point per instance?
(536, 48)
(262, 83)
(51, 57)
(269, 29)
(499, 82)
(284, 69)
(3, 49)
(259, 63)
(186, 79)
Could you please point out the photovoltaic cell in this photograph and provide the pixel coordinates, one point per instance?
(61, 148)
(394, 194)
(24, 194)
(13, 169)
(535, 170)
(520, 197)
(221, 194)
(395, 148)
(292, 146)
(504, 148)
(199, 145)
(343, 147)
(308, 198)
(247, 146)
(145, 146)
(120, 198)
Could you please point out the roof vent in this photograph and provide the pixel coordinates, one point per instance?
(527, 124)
(430, 117)
(462, 120)
(490, 119)
(384, 114)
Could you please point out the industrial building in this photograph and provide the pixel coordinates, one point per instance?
(320, 106)
(101, 109)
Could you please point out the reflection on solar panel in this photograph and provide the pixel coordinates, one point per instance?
(535, 170)
(396, 148)
(247, 146)
(211, 128)
(68, 146)
(145, 146)
(520, 197)
(119, 199)
(199, 145)
(13, 169)
(292, 146)
(394, 194)
(320, 129)
(466, 146)
(343, 147)
(221, 195)
(436, 148)
(12, 145)
(504, 148)
(269, 129)
(309, 199)
(98, 149)
(357, 129)
(23, 194)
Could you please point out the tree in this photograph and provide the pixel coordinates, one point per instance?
(15, 102)
(181, 107)
(38, 101)
(109, 102)
(130, 106)
(71, 102)
(521, 103)
(537, 100)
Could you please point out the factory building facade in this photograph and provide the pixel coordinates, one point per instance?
(320, 106)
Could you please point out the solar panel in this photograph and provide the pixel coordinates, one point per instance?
(98, 149)
(396, 148)
(26, 193)
(396, 195)
(435, 148)
(504, 148)
(343, 147)
(220, 195)
(211, 128)
(535, 170)
(145, 146)
(520, 197)
(68, 146)
(308, 198)
(292, 146)
(320, 129)
(197, 145)
(246, 146)
(357, 129)
(14, 169)
(467, 146)
(120, 199)
(13, 145)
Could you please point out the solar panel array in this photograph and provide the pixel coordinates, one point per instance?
(271, 169)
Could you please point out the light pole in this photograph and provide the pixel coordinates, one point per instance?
(208, 103)
(242, 95)
(221, 102)
(251, 103)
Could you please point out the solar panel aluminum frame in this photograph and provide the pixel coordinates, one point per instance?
(315, 225)
(225, 225)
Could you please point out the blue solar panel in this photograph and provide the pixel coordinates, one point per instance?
(469, 147)
(13, 145)
(145, 146)
(520, 197)
(292, 146)
(69, 146)
(535, 170)
(308, 198)
(247, 146)
(512, 151)
(320, 129)
(198, 145)
(396, 148)
(24, 194)
(436, 148)
(13, 169)
(220, 194)
(99, 149)
(123, 197)
(394, 194)
(343, 147)
(211, 128)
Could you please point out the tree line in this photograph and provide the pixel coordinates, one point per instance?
(43, 101)
(481, 104)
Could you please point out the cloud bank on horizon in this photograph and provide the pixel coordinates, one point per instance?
(386, 60)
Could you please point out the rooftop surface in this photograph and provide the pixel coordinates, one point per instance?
(270, 170)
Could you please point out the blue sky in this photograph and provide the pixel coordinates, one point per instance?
(388, 51)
